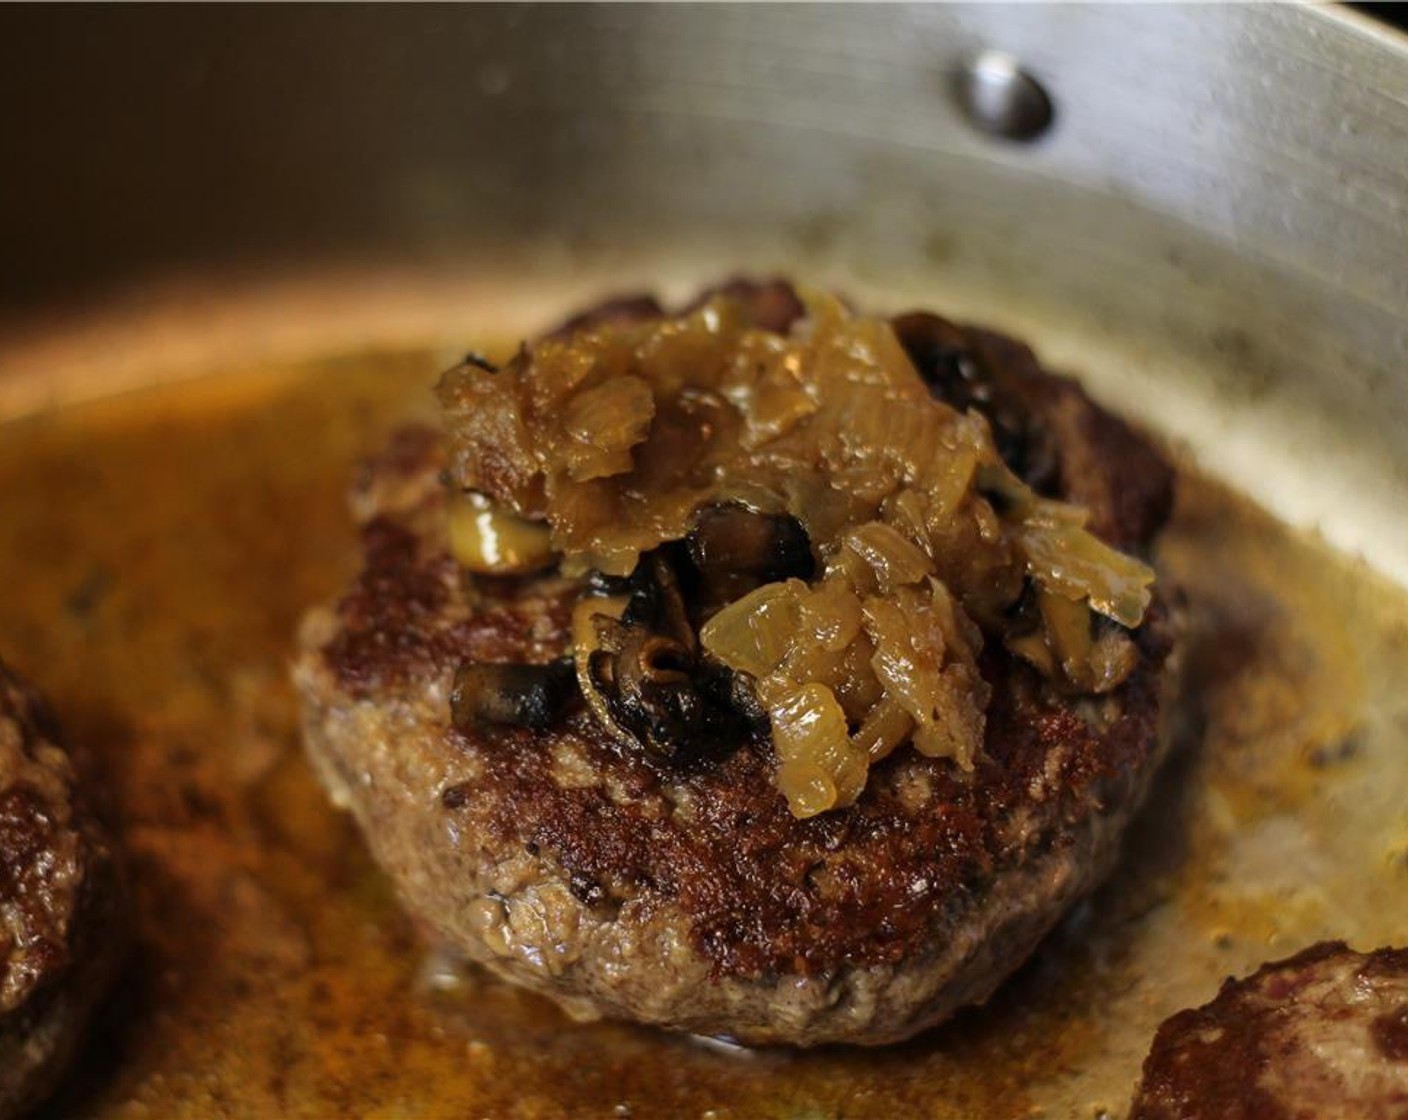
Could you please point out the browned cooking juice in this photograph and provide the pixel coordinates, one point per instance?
(158, 552)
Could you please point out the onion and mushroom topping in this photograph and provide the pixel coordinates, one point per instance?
(788, 525)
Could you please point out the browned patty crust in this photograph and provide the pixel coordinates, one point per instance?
(59, 899)
(1322, 1034)
(765, 890)
(930, 864)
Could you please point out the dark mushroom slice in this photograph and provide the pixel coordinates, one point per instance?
(647, 682)
(733, 549)
(733, 710)
(640, 671)
(659, 602)
(946, 360)
(512, 695)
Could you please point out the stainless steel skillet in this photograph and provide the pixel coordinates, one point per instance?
(1211, 228)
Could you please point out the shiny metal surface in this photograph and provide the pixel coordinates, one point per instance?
(1001, 98)
(1220, 210)
(1213, 233)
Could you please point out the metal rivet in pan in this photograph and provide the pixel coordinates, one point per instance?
(1002, 99)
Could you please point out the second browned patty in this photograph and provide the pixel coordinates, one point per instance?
(1322, 1035)
(692, 897)
(61, 933)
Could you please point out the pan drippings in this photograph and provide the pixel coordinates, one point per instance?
(159, 549)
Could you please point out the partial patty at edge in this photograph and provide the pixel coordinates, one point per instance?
(61, 933)
(1323, 1033)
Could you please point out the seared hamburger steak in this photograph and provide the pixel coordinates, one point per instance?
(59, 903)
(649, 816)
(1321, 1035)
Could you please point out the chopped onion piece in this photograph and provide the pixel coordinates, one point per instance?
(604, 423)
(1068, 560)
(755, 632)
(895, 561)
(886, 726)
(819, 768)
(830, 614)
(487, 539)
(1067, 633)
(939, 694)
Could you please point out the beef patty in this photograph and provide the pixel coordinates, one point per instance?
(60, 933)
(1321, 1035)
(691, 897)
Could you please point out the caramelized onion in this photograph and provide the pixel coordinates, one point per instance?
(850, 531)
(894, 562)
(604, 423)
(932, 681)
(755, 633)
(819, 768)
(492, 541)
(1066, 559)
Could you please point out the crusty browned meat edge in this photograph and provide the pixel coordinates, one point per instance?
(1321, 1035)
(694, 898)
(60, 899)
